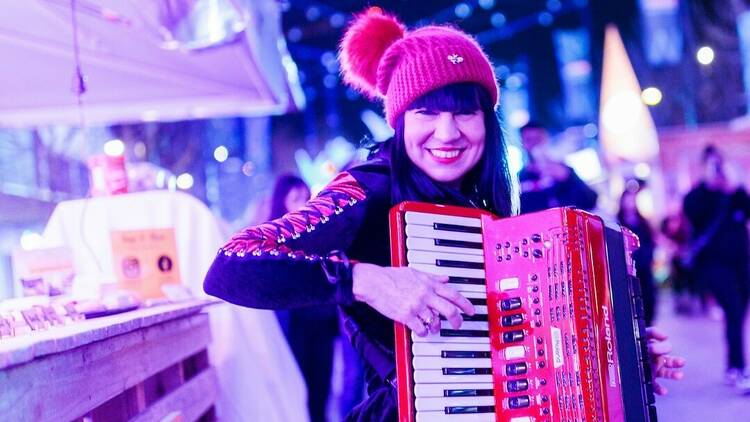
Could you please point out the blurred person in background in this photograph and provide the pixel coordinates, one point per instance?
(629, 216)
(545, 182)
(718, 211)
(687, 298)
(311, 331)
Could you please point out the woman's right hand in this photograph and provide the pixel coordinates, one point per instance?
(409, 296)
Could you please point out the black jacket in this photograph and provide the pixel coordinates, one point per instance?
(729, 242)
(303, 258)
(569, 192)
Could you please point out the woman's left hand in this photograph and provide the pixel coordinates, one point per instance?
(663, 365)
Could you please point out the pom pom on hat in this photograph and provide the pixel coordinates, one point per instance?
(363, 46)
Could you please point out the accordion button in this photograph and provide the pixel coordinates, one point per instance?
(514, 352)
(650, 398)
(647, 372)
(635, 286)
(638, 308)
(519, 402)
(518, 368)
(510, 304)
(513, 336)
(509, 284)
(536, 237)
(511, 320)
(515, 386)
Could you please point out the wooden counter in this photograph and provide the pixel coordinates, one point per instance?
(146, 365)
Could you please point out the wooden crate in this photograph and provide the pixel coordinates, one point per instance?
(153, 367)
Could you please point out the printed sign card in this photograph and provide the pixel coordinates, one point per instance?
(145, 260)
(43, 271)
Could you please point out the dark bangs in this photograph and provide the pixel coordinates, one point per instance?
(463, 97)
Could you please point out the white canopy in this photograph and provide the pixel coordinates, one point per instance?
(143, 60)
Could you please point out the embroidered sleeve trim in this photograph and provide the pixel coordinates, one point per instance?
(344, 191)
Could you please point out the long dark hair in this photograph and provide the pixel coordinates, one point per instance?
(284, 184)
(487, 185)
(629, 191)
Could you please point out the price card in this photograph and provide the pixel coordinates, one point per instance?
(145, 260)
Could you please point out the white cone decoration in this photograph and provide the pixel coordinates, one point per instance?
(627, 131)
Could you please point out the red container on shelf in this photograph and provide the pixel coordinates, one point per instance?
(108, 175)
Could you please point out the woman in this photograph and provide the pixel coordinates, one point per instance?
(310, 331)
(440, 94)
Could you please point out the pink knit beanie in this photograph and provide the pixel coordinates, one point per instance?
(383, 60)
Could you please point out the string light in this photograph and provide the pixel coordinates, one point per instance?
(651, 96)
(221, 153)
(114, 148)
(705, 55)
(185, 181)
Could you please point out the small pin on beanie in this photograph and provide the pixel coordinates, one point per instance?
(381, 59)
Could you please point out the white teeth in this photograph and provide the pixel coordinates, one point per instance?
(445, 154)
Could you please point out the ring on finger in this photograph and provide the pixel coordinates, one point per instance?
(427, 322)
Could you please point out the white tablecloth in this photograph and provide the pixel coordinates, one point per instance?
(259, 378)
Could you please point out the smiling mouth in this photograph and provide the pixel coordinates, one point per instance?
(444, 154)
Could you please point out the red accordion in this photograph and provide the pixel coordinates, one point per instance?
(558, 332)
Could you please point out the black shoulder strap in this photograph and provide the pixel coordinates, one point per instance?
(381, 359)
(699, 243)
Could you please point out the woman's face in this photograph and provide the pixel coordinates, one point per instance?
(445, 145)
(713, 168)
(296, 198)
